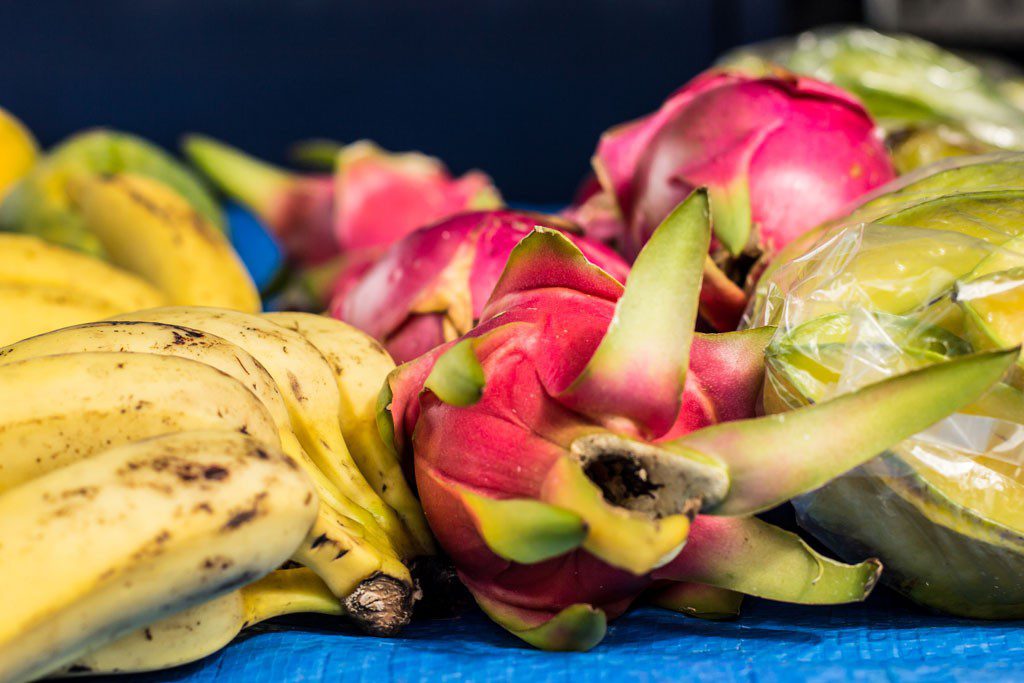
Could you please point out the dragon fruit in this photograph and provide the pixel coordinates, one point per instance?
(431, 287)
(373, 198)
(562, 450)
(788, 153)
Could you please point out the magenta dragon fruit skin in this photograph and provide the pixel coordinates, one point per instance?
(373, 198)
(432, 285)
(779, 154)
(564, 447)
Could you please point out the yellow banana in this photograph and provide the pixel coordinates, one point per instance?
(199, 631)
(376, 588)
(150, 230)
(26, 309)
(105, 546)
(360, 366)
(56, 410)
(307, 384)
(162, 340)
(18, 151)
(363, 559)
(28, 260)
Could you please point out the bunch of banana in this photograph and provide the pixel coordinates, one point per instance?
(305, 383)
(148, 229)
(136, 532)
(367, 540)
(44, 287)
(160, 251)
(41, 203)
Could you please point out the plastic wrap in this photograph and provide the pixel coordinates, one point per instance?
(926, 269)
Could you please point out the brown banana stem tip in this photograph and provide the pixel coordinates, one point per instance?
(381, 605)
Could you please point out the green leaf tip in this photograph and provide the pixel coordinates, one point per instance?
(577, 628)
(730, 214)
(523, 530)
(639, 368)
(752, 557)
(457, 377)
(772, 459)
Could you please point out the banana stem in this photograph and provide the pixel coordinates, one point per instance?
(288, 591)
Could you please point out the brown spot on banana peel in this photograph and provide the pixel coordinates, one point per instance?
(217, 562)
(153, 547)
(242, 517)
(296, 386)
(215, 473)
(320, 540)
(87, 492)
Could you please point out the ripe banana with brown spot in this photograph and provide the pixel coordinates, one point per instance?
(29, 309)
(29, 260)
(150, 230)
(366, 562)
(199, 631)
(56, 410)
(102, 547)
(361, 366)
(310, 392)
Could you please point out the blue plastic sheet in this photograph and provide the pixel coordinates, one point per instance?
(882, 640)
(256, 247)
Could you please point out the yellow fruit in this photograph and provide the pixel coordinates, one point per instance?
(28, 310)
(29, 260)
(18, 151)
(148, 229)
(992, 298)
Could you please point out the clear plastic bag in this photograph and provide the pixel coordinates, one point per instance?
(926, 269)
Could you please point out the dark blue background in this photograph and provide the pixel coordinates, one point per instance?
(521, 88)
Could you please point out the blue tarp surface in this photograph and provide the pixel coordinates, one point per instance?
(882, 640)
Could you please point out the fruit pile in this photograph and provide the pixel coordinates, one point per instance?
(591, 409)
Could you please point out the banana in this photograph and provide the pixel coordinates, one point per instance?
(163, 340)
(148, 229)
(26, 309)
(307, 384)
(360, 366)
(18, 151)
(376, 588)
(355, 573)
(56, 410)
(199, 631)
(105, 546)
(28, 260)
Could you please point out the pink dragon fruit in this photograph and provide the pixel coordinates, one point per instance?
(779, 154)
(562, 449)
(373, 199)
(431, 286)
